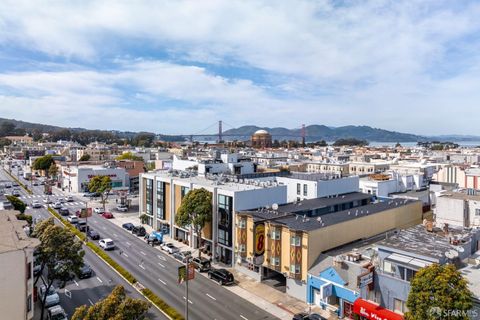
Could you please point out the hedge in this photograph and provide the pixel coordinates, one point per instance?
(68, 225)
(171, 312)
(18, 181)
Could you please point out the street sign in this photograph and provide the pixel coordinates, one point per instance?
(182, 273)
(85, 212)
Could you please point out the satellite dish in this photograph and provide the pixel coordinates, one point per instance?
(460, 249)
(449, 255)
(275, 206)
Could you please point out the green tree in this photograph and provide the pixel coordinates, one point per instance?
(101, 185)
(17, 203)
(53, 170)
(59, 253)
(438, 288)
(116, 306)
(43, 163)
(195, 210)
(129, 156)
(4, 142)
(85, 157)
(23, 216)
(7, 128)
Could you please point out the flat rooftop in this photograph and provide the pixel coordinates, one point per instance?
(294, 221)
(311, 204)
(12, 235)
(204, 182)
(460, 196)
(417, 240)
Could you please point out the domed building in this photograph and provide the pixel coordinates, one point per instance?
(261, 139)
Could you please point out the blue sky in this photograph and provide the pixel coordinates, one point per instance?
(179, 66)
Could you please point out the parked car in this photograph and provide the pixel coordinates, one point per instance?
(56, 313)
(300, 316)
(306, 316)
(72, 219)
(182, 255)
(139, 231)
(69, 199)
(154, 238)
(122, 208)
(81, 225)
(47, 200)
(64, 211)
(61, 200)
(169, 247)
(98, 210)
(91, 194)
(52, 296)
(85, 272)
(92, 234)
(222, 276)
(35, 182)
(57, 205)
(15, 184)
(106, 244)
(201, 264)
(16, 192)
(129, 226)
(36, 204)
(107, 215)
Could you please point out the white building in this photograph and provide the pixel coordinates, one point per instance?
(228, 163)
(77, 178)
(161, 194)
(458, 209)
(16, 265)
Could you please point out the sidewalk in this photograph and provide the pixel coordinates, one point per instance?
(263, 296)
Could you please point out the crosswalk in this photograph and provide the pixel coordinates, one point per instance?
(40, 196)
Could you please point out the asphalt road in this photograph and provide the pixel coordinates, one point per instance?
(85, 291)
(158, 271)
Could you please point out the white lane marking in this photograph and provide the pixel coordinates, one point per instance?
(211, 297)
(161, 257)
(91, 303)
(95, 221)
(76, 283)
(141, 267)
(143, 253)
(45, 206)
(99, 279)
(128, 243)
(126, 256)
(68, 293)
(243, 317)
(161, 265)
(115, 235)
(162, 281)
(190, 301)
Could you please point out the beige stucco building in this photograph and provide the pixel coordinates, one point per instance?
(16, 265)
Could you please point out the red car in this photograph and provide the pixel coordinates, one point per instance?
(107, 215)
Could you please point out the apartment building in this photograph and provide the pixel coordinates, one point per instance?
(161, 194)
(403, 254)
(285, 241)
(451, 173)
(460, 209)
(340, 169)
(366, 168)
(16, 263)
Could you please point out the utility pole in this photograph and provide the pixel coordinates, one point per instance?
(186, 289)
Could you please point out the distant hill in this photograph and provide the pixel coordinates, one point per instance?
(321, 132)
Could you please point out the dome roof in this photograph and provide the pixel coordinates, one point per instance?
(261, 132)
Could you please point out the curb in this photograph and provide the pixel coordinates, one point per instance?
(133, 285)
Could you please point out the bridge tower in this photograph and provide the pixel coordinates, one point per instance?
(303, 132)
(219, 131)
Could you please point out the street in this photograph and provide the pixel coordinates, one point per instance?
(152, 268)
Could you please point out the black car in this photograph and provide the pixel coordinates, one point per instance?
(92, 234)
(64, 211)
(201, 264)
(85, 272)
(306, 316)
(129, 226)
(222, 276)
(139, 231)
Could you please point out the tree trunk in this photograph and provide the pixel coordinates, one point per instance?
(44, 299)
(199, 241)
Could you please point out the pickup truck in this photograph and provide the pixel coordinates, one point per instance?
(155, 238)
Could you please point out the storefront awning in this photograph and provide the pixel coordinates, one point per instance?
(371, 311)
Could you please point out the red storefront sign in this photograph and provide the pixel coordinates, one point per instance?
(372, 311)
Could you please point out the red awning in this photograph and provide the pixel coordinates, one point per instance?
(372, 311)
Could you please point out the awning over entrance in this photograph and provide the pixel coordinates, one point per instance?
(372, 311)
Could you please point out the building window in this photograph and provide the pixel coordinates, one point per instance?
(275, 234)
(242, 224)
(149, 196)
(295, 268)
(477, 212)
(275, 261)
(242, 248)
(399, 306)
(29, 270)
(29, 303)
(225, 219)
(409, 274)
(295, 241)
(299, 188)
(184, 191)
(161, 200)
(305, 190)
(388, 267)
